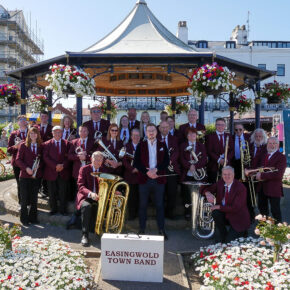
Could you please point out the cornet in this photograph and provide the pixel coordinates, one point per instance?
(17, 140)
(198, 174)
(170, 166)
(35, 166)
(124, 152)
(80, 150)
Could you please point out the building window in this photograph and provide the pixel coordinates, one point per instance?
(202, 44)
(230, 44)
(262, 65)
(280, 69)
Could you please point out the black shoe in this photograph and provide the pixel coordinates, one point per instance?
(162, 233)
(43, 195)
(141, 232)
(26, 224)
(187, 217)
(85, 240)
(64, 213)
(34, 222)
(52, 212)
(72, 222)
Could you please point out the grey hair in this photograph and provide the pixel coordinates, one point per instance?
(259, 130)
(135, 130)
(192, 110)
(229, 168)
(274, 138)
(96, 154)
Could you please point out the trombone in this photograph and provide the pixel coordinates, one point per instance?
(219, 174)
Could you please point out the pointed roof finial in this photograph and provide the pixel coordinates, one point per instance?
(141, 2)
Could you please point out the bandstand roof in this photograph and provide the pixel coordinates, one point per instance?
(140, 57)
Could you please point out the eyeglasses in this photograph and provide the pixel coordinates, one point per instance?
(22, 119)
(112, 130)
(238, 130)
(96, 111)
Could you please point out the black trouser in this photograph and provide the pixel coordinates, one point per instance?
(221, 234)
(44, 187)
(238, 168)
(144, 191)
(170, 195)
(212, 175)
(133, 201)
(16, 171)
(29, 188)
(274, 203)
(57, 189)
(89, 210)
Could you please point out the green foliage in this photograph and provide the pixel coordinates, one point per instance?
(210, 128)
(7, 233)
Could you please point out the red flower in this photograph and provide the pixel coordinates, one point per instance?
(278, 94)
(36, 284)
(214, 266)
(237, 279)
(207, 274)
(201, 255)
(9, 277)
(259, 262)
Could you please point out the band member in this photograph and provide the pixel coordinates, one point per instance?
(29, 154)
(172, 130)
(87, 197)
(151, 159)
(124, 129)
(69, 132)
(216, 149)
(133, 123)
(131, 174)
(80, 152)
(163, 116)
(97, 123)
(230, 208)
(258, 146)
(56, 170)
(171, 143)
(192, 123)
(13, 145)
(45, 129)
(240, 138)
(270, 188)
(145, 120)
(190, 166)
(114, 144)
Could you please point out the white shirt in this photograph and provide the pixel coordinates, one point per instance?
(171, 132)
(237, 145)
(144, 129)
(132, 124)
(152, 148)
(97, 125)
(165, 138)
(64, 133)
(127, 134)
(114, 143)
(229, 189)
(84, 141)
(192, 125)
(271, 154)
(94, 190)
(135, 146)
(32, 146)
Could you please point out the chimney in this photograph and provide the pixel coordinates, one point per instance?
(182, 31)
(240, 35)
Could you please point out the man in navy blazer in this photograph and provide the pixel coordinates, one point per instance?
(230, 208)
(151, 159)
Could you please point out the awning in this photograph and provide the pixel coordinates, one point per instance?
(36, 117)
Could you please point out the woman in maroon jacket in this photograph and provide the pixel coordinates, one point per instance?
(30, 178)
(188, 168)
(114, 144)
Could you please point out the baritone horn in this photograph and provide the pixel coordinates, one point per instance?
(202, 220)
(111, 206)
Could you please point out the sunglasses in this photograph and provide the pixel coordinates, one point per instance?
(114, 130)
(22, 119)
(96, 111)
(238, 130)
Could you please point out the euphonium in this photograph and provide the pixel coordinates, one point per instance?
(111, 207)
(3, 155)
(198, 174)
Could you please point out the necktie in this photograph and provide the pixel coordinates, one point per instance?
(95, 125)
(22, 135)
(98, 123)
(66, 135)
(114, 143)
(34, 149)
(58, 148)
(221, 136)
(42, 130)
(226, 194)
(267, 159)
(131, 125)
(124, 134)
(83, 145)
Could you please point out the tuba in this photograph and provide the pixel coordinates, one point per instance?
(198, 174)
(202, 220)
(111, 207)
(3, 155)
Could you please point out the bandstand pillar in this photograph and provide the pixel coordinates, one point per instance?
(23, 96)
(109, 107)
(201, 111)
(258, 105)
(49, 102)
(232, 111)
(173, 106)
(79, 101)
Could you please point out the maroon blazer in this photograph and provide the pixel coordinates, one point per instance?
(136, 125)
(25, 158)
(141, 161)
(131, 178)
(236, 210)
(214, 149)
(51, 159)
(72, 156)
(104, 126)
(11, 149)
(173, 152)
(176, 133)
(185, 157)
(272, 181)
(182, 131)
(257, 158)
(85, 184)
(48, 133)
(247, 138)
(115, 152)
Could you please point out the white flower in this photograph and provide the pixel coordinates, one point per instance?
(259, 217)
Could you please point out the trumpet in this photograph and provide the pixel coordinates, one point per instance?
(198, 174)
(80, 150)
(124, 152)
(35, 166)
(170, 166)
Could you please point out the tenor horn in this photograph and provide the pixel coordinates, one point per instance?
(198, 174)
(111, 207)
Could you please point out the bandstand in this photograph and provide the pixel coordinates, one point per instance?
(140, 58)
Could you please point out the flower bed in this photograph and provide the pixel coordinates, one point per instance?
(242, 264)
(43, 264)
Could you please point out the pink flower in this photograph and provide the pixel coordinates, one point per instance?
(257, 232)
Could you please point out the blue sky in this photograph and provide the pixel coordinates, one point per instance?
(74, 25)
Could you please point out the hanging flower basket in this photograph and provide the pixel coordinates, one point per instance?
(243, 104)
(66, 79)
(211, 80)
(103, 107)
(275, 92)
(179, 108)
(37, 103)
(10, 94)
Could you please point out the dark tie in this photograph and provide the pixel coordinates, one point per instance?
(98, 125)
(42, 130)
(125, 134)
(221, 137)
(267, 159)
(226, 195)
(58, 148)
(66, 135)
(83, 145)
(95, 125)
(34, 149)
